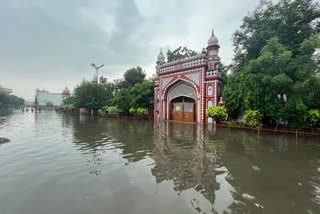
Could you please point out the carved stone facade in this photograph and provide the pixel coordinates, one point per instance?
(197, 79)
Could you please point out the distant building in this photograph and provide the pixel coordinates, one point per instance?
(45, 98)
(5, 90)
(65, 93)
(28, 103)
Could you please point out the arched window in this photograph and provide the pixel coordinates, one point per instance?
(210, 91)
(209, 103)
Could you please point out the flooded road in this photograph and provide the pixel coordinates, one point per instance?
(57, 163)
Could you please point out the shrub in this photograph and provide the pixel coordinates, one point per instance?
(253, 118)
(235, 123)
(102, 112)
(105, 109)
(113, 110)
(313, 117)
(142, 111)
(67, 106)
(49, 104)
(216, 112)
(133, 111)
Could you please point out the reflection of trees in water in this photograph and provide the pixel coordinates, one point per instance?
(133, 138)
(5, 114)
(283, 181)
(181, 155)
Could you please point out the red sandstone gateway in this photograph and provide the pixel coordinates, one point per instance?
(185, 88)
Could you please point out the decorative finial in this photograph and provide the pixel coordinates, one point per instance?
(161, 57)
(212, 34)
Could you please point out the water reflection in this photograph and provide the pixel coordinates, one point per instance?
(181, 155)
(5, 114)
(270, 169)
(235, 171)
(95, 134)
(160, 167)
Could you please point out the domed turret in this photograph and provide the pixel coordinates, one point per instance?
(66, 91)
(161, 57)
(65, 94)
(213, 40)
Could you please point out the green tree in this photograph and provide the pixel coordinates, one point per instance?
(69, 100)
(292, 21)
(133, 76)
(276, 84)
(180, 53)
(4, 100)
(142, 95)
(224, 69)
(91, 95)
(122, 100)
(10, 101)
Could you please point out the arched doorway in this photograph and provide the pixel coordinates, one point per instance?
(183, 109)
(182, 102)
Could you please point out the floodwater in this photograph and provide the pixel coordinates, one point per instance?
(66, 164)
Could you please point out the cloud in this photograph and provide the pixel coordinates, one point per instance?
(50, 44)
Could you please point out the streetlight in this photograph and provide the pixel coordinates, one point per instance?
(97, 68)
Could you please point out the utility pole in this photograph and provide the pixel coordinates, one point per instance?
(97, 70)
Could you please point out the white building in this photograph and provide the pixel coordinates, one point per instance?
(44, 97)
(5, 90)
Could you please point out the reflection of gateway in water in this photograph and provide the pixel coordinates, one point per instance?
(181, 155)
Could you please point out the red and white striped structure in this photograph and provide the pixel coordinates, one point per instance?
(196, 78)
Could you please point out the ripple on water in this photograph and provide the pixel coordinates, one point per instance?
(58, 164)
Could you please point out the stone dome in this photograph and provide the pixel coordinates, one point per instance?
(161, 57)
(213, 40)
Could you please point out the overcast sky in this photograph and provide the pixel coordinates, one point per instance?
(49, 44)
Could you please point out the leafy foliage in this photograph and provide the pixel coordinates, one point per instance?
(282, 87)
(69, 100)
(314, 117)
(122, 100)
(49, 104)
(132, 111)
(139, 111)
(180, 53)
(140, 95)
(133, 76)
(102, 112)
(142, 111)
(235, 123)
(253, 118)
(216, 112)
(91, 95)
(113, 110)
(290, 21)
(10, 101)
(105, 108)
